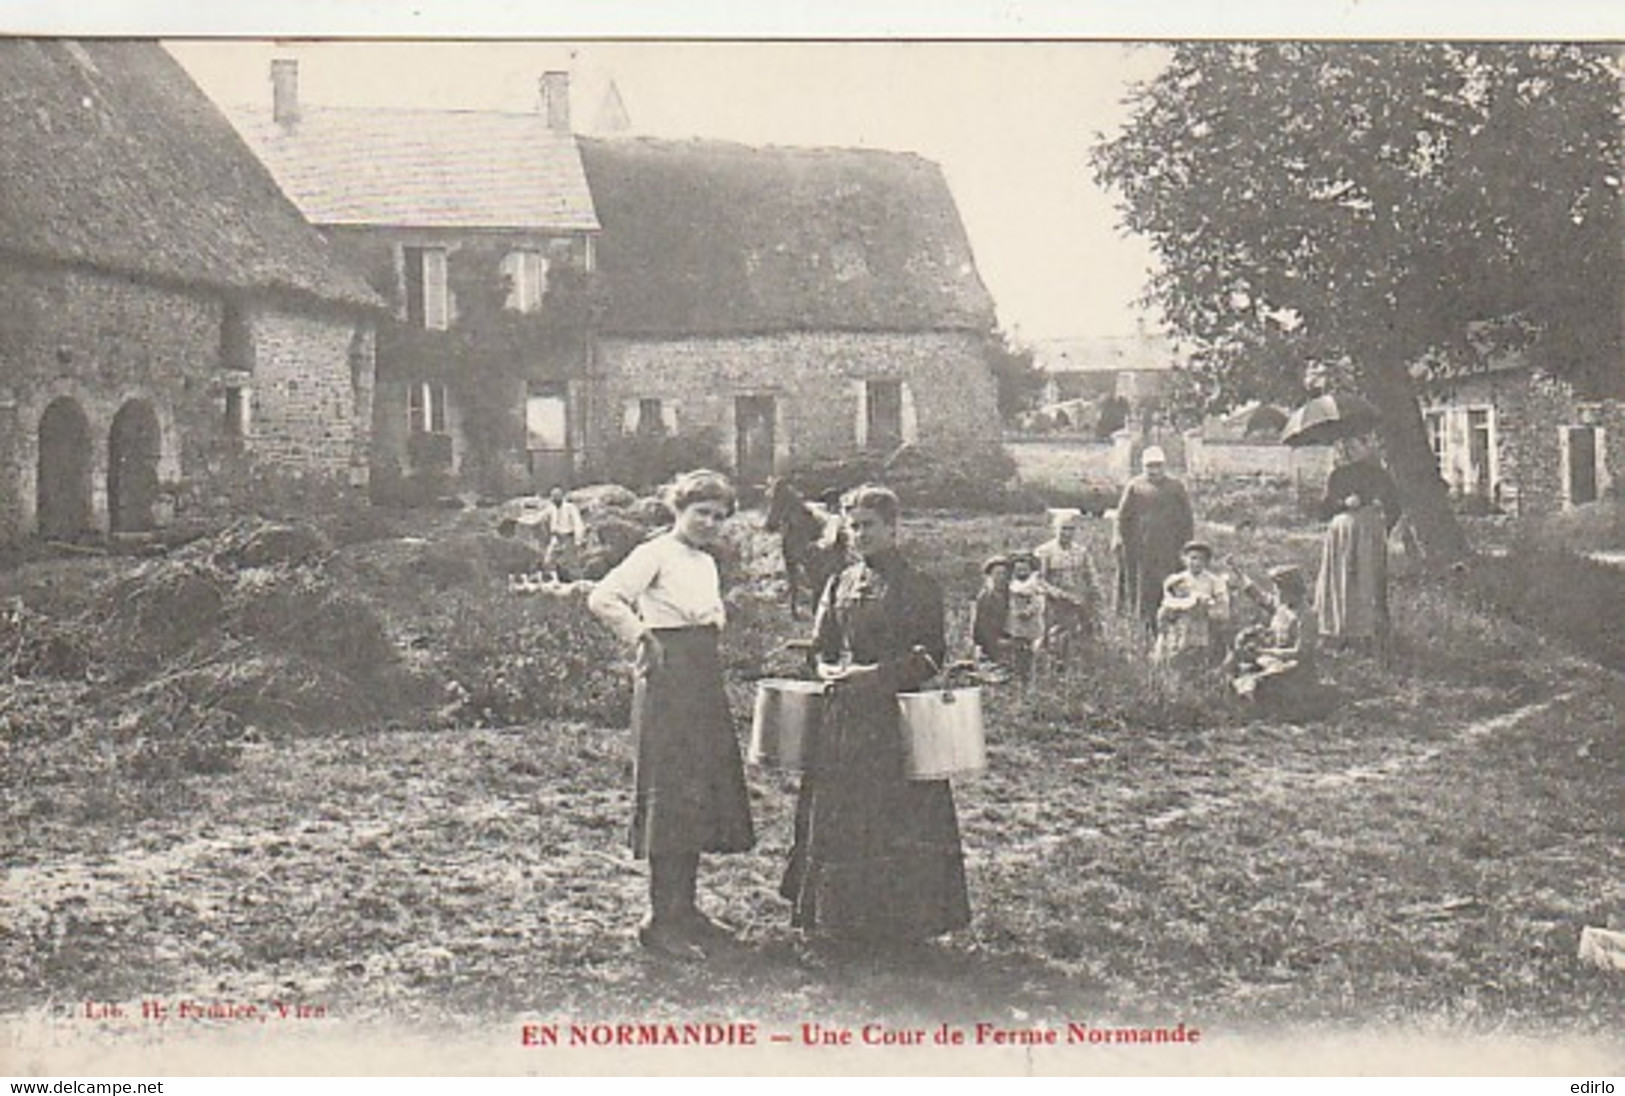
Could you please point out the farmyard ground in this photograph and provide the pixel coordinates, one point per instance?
(1421, 862)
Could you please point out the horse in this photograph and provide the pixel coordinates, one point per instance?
(808, 561)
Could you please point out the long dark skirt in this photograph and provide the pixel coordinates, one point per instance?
(690, 782)
(876, 856)
(1351, 592)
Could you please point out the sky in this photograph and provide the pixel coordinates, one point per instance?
(1011, 123)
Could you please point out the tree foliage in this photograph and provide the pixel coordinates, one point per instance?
(491, 352)
(1333, 214)
(1017, 378)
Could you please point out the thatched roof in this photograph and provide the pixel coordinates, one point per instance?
(110, 157)
(708, 238)
(455, 169)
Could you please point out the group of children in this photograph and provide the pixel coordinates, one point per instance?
(1040, 603)
(1269, 662)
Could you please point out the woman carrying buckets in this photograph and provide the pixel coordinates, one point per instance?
(877, 857)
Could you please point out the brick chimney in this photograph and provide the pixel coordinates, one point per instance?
(285, 91)
(554, 100)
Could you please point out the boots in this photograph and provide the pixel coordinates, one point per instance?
(675, 927)
(699, 928)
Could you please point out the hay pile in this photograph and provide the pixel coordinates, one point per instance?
(247, 628)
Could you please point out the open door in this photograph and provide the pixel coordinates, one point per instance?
(547, 435)
(753, 438)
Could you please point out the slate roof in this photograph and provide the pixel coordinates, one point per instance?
(452, 169)
(112, 158)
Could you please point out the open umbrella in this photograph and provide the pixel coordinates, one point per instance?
(1327, 418)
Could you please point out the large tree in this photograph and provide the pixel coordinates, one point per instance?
(1340, 214)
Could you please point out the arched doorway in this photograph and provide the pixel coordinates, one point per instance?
(132, 468)
(62, 493)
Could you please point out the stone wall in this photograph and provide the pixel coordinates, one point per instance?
(816, 380)
(99, 343)
(1306, 466)
(312, 393)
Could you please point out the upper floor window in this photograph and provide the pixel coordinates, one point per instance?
(527, 280)
(427, 299)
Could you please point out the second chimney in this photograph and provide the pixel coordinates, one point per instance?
(554, 101)
(285, 91)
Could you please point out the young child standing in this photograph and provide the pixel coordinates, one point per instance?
(665, 601)
(1025, 626)
(1063, 564)
(992, 611)
(1194, 613)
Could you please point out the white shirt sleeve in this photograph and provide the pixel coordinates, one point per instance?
(614, 599)
(573, 525)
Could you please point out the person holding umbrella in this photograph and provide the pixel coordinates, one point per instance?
(1361, 506)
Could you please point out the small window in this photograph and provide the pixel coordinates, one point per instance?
(649, 417)
(884, 412)
(427, 301)
(527, 280)
(426, 407)
(1480, 451)
(1435, 428)
(236, 341)
(547, 417)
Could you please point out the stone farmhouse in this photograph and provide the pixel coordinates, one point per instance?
(170, 327)
(1510, 435)
(430, 205)
(789, 304)
(793, 303)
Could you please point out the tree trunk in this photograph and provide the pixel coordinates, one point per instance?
(1410, 458)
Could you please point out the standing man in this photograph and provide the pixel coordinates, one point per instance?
(1154, 521)
(566, 535)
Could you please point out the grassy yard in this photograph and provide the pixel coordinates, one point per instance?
(1139, 851)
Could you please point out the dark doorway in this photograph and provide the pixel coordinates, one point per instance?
(132, 468)
(62, 491)
(1582, 469)
(753, 438)
(885, 415)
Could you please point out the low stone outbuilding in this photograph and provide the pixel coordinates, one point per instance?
(793, 303)
(172, 331)
(1511, 436)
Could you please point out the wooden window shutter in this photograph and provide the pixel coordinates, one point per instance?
(911, 419)
(436, 305)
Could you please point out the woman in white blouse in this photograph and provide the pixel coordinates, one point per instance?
(665, 601)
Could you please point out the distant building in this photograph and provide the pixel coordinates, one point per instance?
(170, 327)
(1134, 368)
(794, 303)
(1512, 435)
